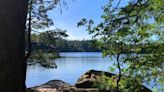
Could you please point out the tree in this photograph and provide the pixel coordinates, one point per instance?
(12, 44)
(44, 47)
(38, 18)
(49, 37)
(128, 30)
(12, 56)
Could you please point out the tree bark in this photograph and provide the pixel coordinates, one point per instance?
(12, 40)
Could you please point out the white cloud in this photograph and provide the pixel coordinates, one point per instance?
(73, 32)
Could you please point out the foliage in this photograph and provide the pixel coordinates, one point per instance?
(44, 47)
(64, 45)
(42, 58)
(38, 9)
(50, 37)
(132, 28)
(37, 18)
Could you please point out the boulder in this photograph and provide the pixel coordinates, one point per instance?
(89, 78)
(51, 86)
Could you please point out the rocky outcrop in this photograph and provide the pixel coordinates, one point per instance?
(89, 78)
(51, 86)
(84, 84)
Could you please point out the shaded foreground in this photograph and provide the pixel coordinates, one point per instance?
(85, 84)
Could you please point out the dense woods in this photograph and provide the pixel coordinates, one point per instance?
(63, 45)
(58, 43)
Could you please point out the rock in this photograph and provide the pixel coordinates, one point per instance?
(51, 86)
(89, 78)
(56, 84)
(84, 84)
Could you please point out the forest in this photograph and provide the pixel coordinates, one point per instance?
(129, 35)
(60, 44)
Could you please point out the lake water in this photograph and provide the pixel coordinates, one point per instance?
(70, 68)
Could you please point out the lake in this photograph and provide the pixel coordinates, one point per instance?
(70, 68)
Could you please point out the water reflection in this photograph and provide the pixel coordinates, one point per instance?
(70, 68)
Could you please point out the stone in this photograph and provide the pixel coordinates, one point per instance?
(51, 86)
(84, 84)
(87, 80)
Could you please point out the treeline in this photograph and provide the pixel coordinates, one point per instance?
(63, 45)
(55, 41)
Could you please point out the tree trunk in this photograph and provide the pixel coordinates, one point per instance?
(119, 69)
(12, 57)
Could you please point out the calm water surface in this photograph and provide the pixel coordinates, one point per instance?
(70, 68)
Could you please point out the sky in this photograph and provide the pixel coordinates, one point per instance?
(78, 9)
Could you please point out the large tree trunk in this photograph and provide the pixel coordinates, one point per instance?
(12, 56)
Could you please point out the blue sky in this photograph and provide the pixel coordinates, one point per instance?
(78, 9)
